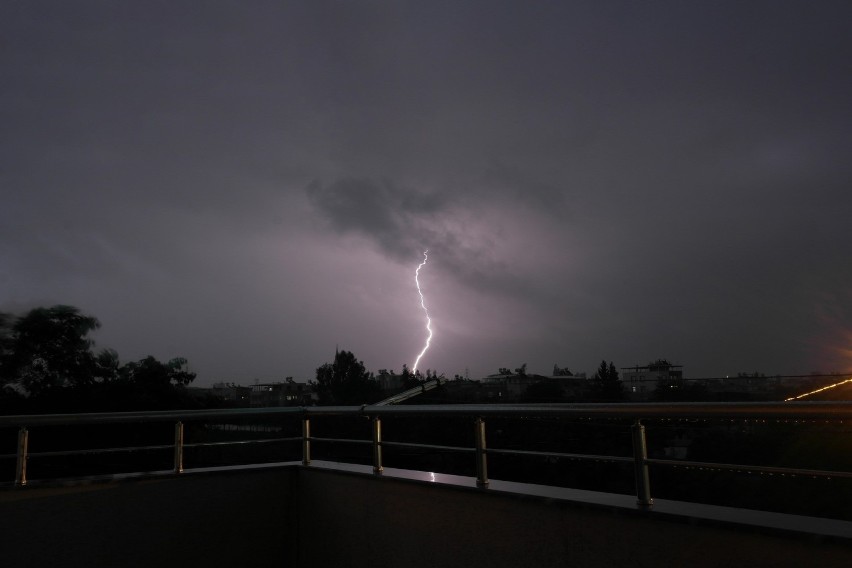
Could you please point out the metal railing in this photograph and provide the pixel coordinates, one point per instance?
(634, 413)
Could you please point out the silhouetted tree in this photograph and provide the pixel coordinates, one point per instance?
(409, 379)
(346, 381)
(47, 365)
(11, 398)
(606, 384)
(49, 349)
(150, 371)
(6, 343)
(107, 365)
(147, 384)
(6, 323)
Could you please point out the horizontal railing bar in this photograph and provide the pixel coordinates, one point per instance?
(822, 410)
(342, 440)
(240, 442)
(96, 451)
(158, 447)
(426, 446)
(750, 468)
(688, 410)
(144, 416)
(589, 457)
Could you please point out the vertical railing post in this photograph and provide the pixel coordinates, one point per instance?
(306, 441)
(640, 457)
(481, 457)
(21, 467)
(377, 446)
(179, 447)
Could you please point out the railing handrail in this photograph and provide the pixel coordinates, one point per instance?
(634, 412)
(689, 410)
(139, 416)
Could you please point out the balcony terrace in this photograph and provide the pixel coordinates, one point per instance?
(301, 512)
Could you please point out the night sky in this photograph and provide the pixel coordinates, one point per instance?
(251, 184)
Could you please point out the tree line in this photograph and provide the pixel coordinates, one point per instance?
(48, 363)
(346, 381)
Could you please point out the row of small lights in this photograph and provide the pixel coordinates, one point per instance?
(818, 390)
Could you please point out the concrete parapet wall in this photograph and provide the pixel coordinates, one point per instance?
(227, 520)
(357, 521)
(314, 517)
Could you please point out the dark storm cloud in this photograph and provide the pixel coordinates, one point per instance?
(403, 222)
(377, 210)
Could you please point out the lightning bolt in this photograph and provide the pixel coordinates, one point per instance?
(425, 311)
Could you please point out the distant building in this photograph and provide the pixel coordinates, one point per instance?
(574, 386)
(289, 393)
(640, 382)
(235, 394)
(508, 387)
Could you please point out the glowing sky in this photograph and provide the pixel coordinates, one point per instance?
(249, 185)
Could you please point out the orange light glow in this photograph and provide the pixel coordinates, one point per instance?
(818, 390)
